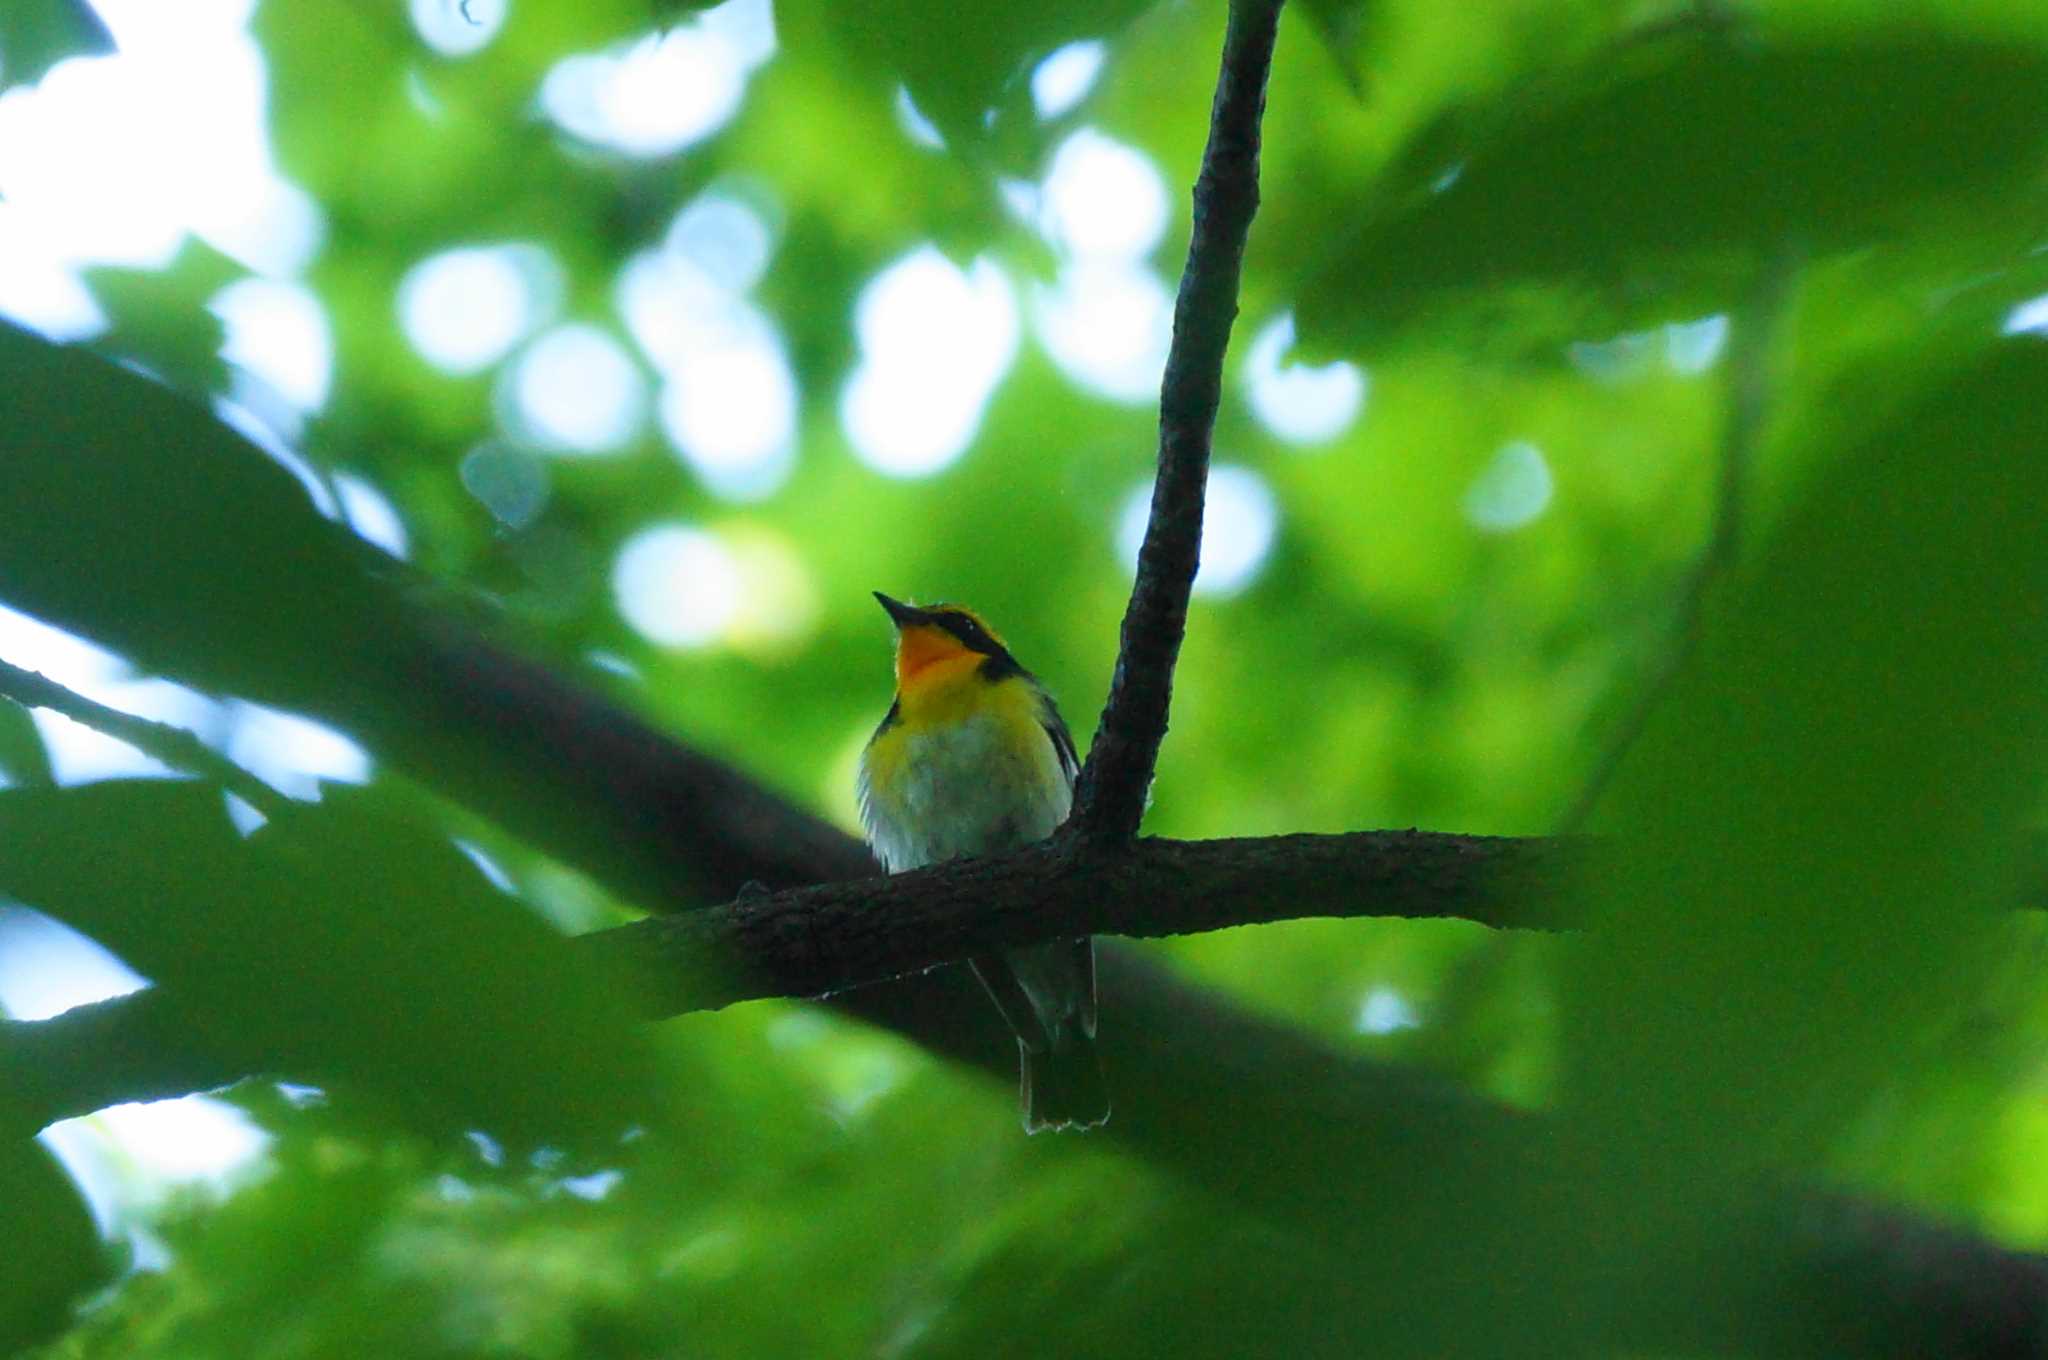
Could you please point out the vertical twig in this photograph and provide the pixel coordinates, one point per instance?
(1753, 331)
(1110, 797)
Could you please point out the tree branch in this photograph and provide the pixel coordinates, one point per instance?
(665, 826)
(142, 1046)
(174, 746)
(835, 936)
(1109, 800)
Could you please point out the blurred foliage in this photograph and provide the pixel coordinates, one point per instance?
(1599, 181)
(36, 34)
(57, 1255)
(1526, 221)
(476, 1020)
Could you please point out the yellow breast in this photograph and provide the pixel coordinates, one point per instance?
(966, 769)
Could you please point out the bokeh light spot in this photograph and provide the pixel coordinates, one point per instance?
(1103, 199)
(1063, 79)
(1513, 489)
(1107, 326)
(457, 28)
(677, 586)
(748, 26)
(278, 331)
(1694, 346)
(1238, 524)
(729, 402)
(731, 410)
(779, 602)
(2029, 318)
(1615, 360)
(1385, 1011)
(666, 91)
(116, 158)
(39, 288)
(723, 238)
(371, 514)
(673, 309)
(935, 341)
(919, 129)
(463, 309)
(508, 481)
(94, 112)
(575, 390)
(1299, 403)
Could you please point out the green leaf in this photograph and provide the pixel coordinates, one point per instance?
(1824, 823)
(23, 757)
(1657, 177)
(1342, 25)
(967, 67)
(159, 316)
(37, 34)
(339, 944)
(445, 991)
(54, 1253)
(129, 512)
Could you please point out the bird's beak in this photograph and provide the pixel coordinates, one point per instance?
(904, 615)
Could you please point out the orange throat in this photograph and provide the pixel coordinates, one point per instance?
(922, 654)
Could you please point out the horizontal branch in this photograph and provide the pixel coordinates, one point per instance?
(833, 936)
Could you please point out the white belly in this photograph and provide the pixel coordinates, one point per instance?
(964, 790)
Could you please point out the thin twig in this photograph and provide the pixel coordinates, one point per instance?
(174, 746)
(1110, 798)
(1753, 330)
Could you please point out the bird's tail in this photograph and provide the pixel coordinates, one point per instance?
(1062, 1082)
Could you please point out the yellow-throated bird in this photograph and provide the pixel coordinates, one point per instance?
(974, 760)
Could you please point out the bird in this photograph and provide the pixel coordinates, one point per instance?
(974, 759)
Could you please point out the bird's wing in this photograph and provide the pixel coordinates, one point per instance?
(1081, 952)
(1062, 741)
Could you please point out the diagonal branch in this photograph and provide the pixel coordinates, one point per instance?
(174, 746)
(1110, 798)
(141, 1046)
